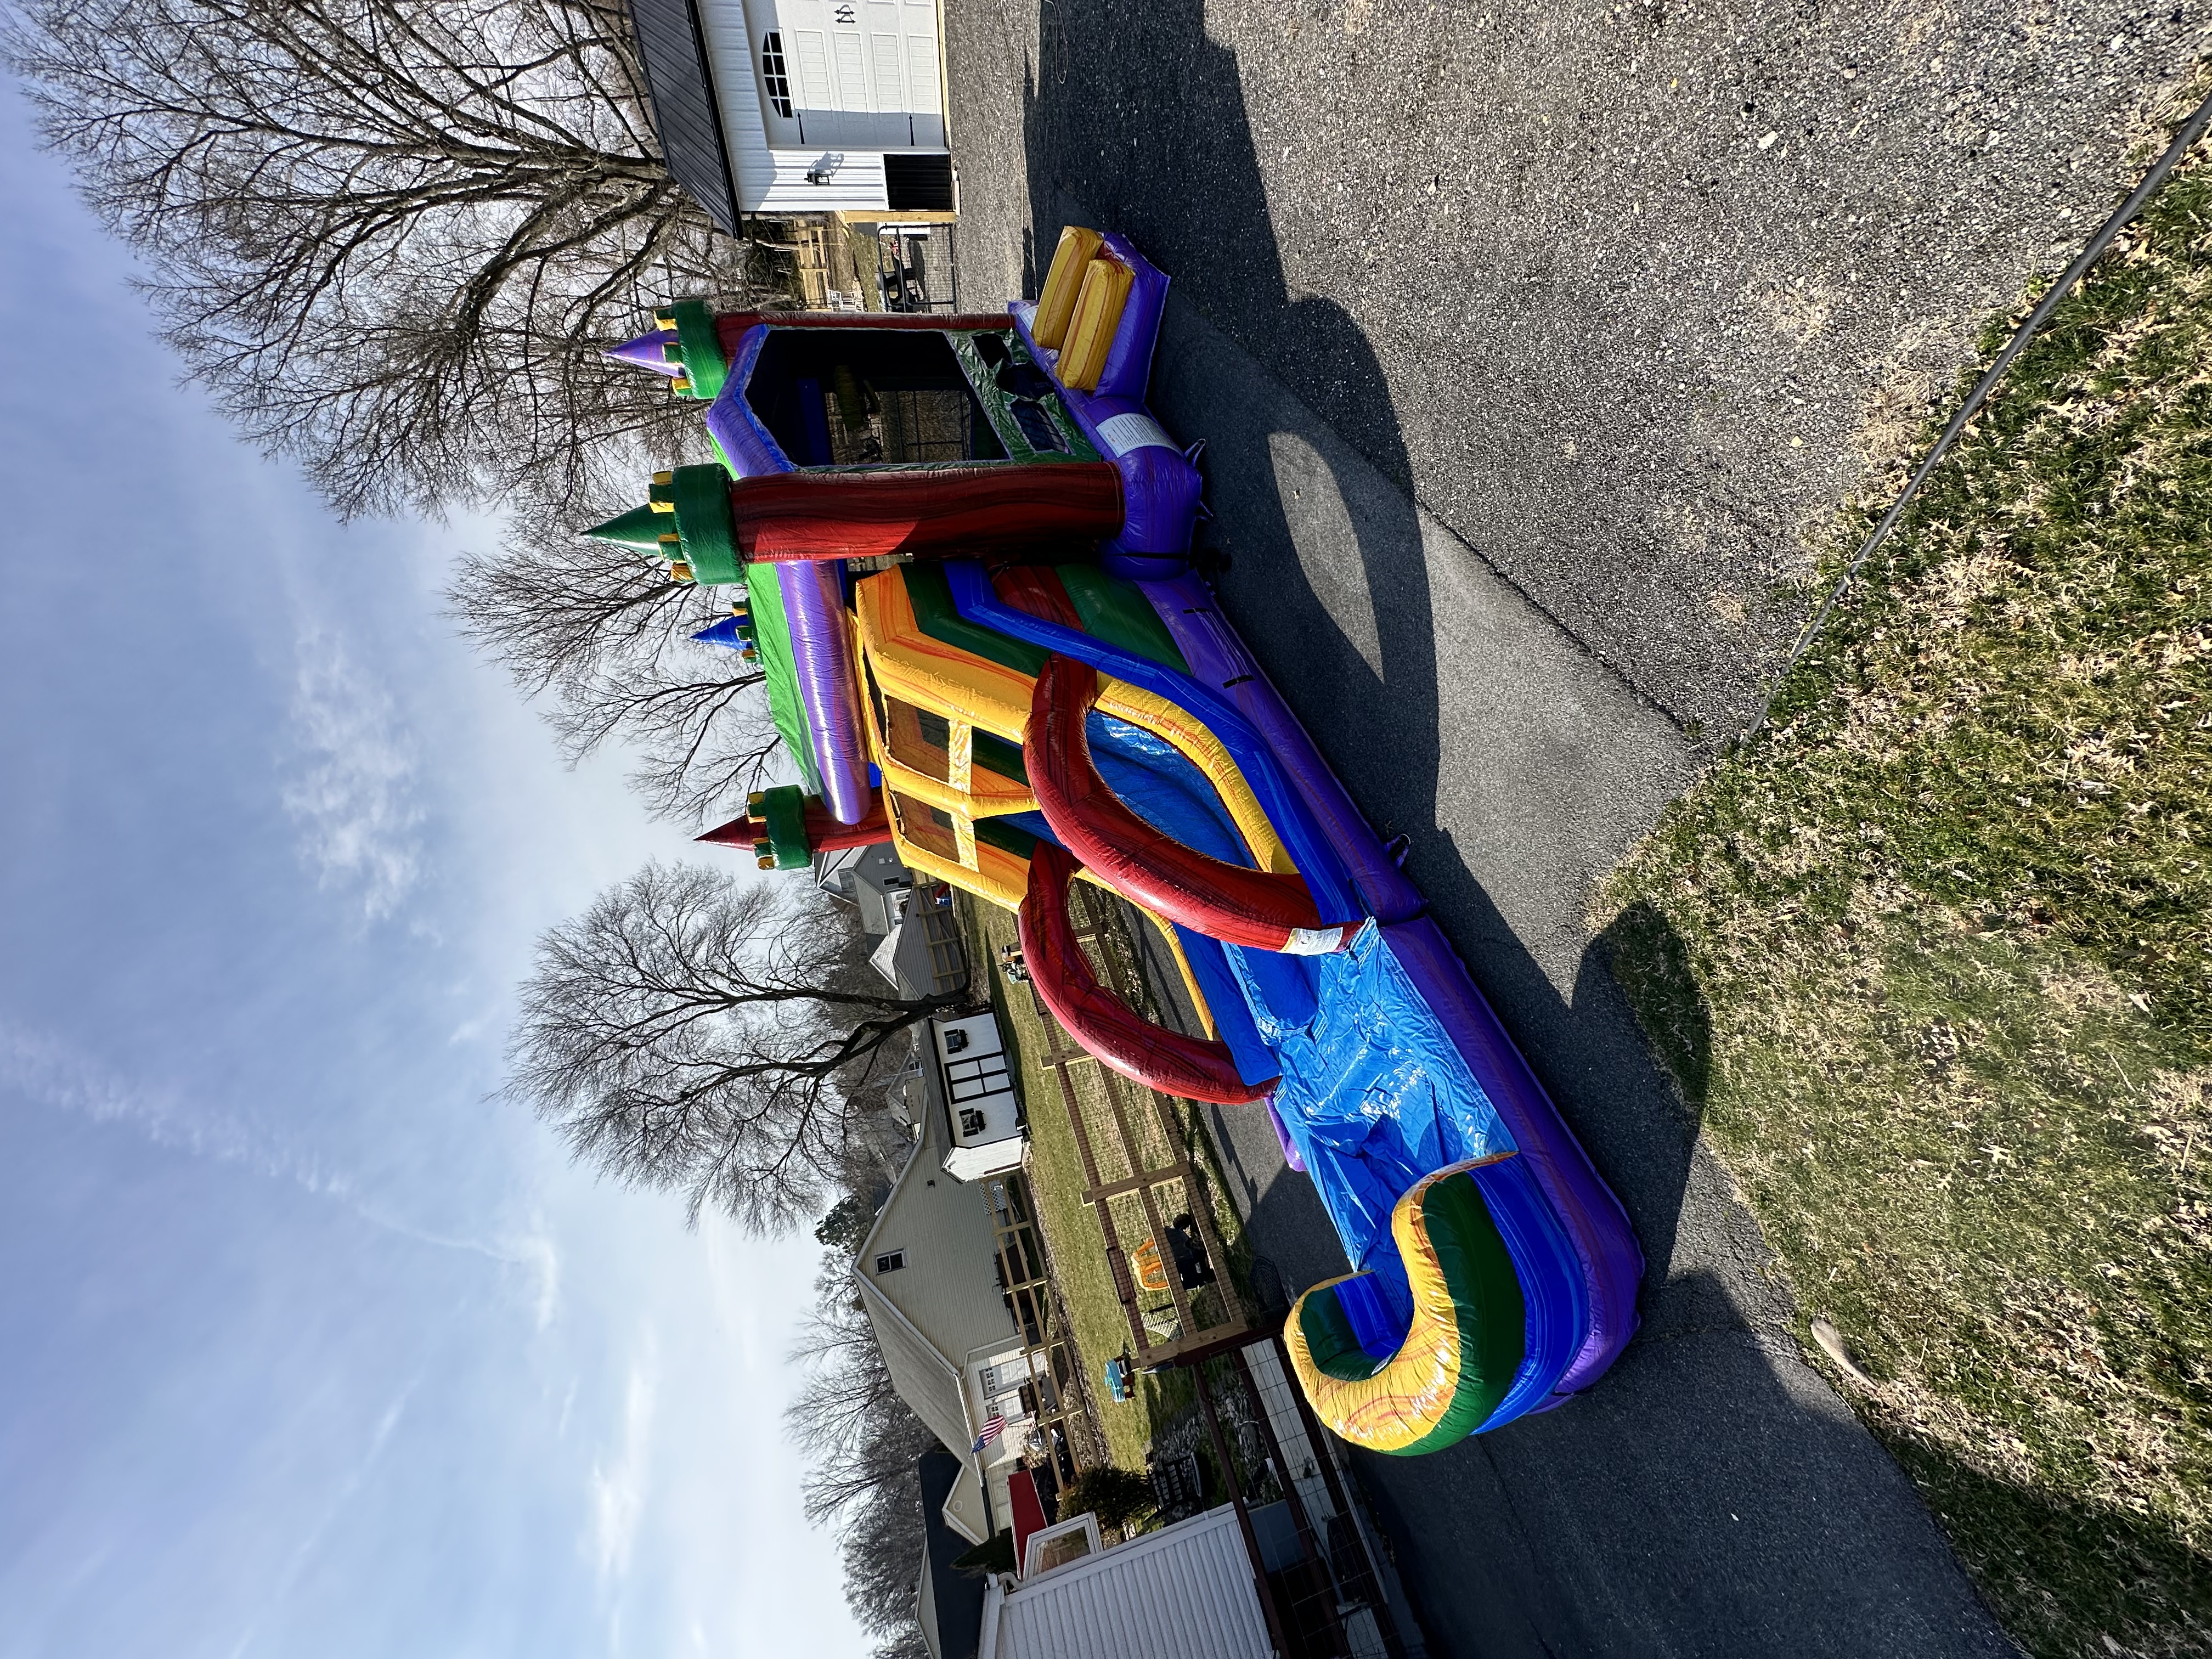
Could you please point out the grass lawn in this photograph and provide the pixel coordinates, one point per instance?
(1073, 1238)
(1933, 959)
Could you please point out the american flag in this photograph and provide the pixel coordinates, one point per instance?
(993, 1426)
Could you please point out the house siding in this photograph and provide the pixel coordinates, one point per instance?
(924, 1379)
(1185, 1592)
(771, 180)
(947, 1288)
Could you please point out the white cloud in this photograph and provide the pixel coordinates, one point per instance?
(57, 1074)
(44, 1068)
(618, 1492)
(353, 799)
(539, 1251)
(340, 1500)
(533, 1252)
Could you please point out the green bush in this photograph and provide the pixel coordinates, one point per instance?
(1117, 1496)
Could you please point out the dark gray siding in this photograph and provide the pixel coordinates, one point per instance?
(958, 1597)
(684, 114)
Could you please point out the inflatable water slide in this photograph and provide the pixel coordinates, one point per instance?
(961, 544)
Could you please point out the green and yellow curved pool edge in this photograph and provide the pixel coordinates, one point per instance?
(1466, 1343)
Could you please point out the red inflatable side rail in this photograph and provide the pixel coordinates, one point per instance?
(1105, 1025)
(953, 509)
(1253, 908)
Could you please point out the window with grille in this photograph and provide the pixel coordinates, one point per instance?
(891, 1262)
(773, 76)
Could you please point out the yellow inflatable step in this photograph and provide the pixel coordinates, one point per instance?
(1057, 305)
(1098, 312)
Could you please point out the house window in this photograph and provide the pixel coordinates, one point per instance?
(971, 1123)
(891, 1262)
(773, 76)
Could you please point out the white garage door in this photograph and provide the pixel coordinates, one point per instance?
(857, 74)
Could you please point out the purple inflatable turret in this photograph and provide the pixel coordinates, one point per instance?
(653, 351)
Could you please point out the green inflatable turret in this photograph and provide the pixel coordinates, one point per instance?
(685, 520)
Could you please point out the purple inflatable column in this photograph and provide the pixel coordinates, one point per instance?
(821, 652)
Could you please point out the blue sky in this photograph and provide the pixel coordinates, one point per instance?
(306, 1345)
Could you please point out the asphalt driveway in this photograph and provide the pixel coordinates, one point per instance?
(1622, 294)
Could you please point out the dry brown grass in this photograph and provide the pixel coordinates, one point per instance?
(1073, 1238)
(1935, 960)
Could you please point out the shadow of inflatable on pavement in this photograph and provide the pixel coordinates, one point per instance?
(1133, 118)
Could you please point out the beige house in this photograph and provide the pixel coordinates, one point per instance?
(921, 955)
(918, 949)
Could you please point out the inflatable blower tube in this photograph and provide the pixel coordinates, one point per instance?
(1226, 902)
(821, 652)
(1107, 1027)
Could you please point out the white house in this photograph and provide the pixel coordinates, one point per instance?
(1184, 1592)
(983, 1102)
(801, 105)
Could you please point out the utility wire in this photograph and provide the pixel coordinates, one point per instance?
(2191, 131)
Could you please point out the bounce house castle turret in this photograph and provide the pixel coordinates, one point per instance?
(787, 827)
(861, 434)
(684, 346)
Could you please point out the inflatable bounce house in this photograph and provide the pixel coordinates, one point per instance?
(964, 545)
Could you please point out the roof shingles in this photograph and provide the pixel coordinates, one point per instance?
(685, 115)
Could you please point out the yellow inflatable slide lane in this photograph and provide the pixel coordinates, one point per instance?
(1466, 1343)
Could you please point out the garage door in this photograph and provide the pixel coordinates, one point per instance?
(853, 74)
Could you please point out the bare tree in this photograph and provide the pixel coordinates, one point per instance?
(908, 1643)
(848, 1420)
(696, 1035)
(861, 1443)
(882, 1548)
(391, 235)
(602, 636)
